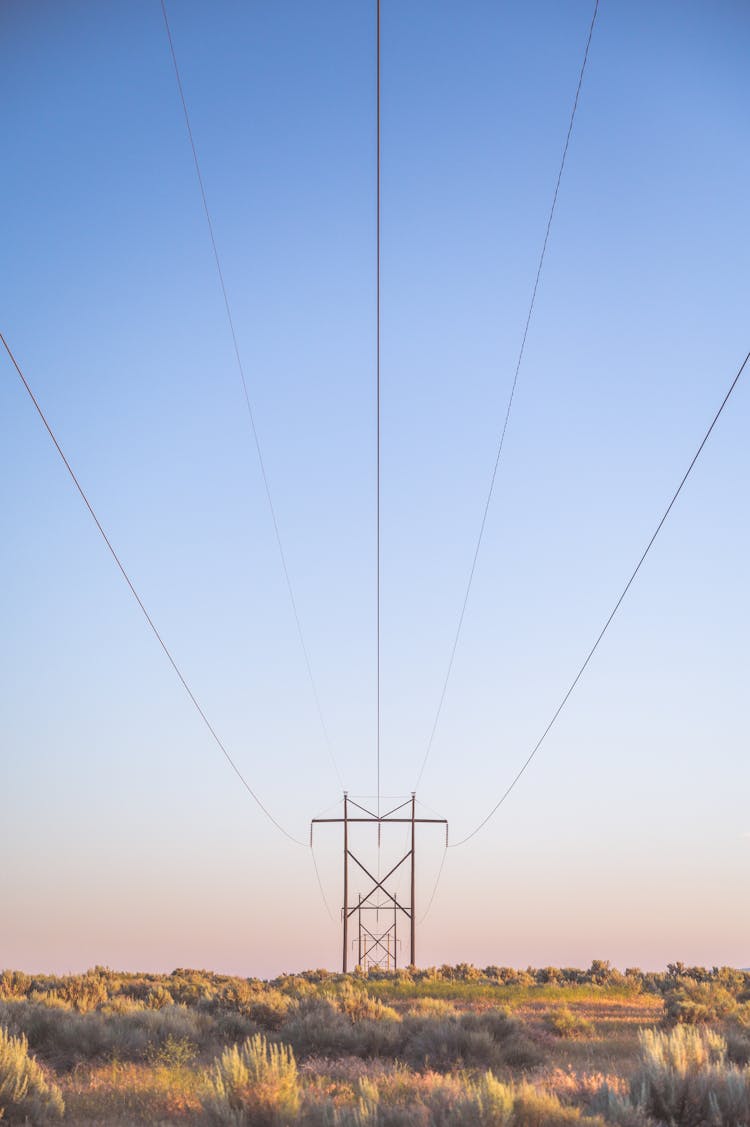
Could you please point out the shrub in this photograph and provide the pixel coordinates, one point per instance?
(14, 984)
(489, 1103)
(470, 1040)
(432, 1007)
(375, 1039)
(685, 1080)
(269, 1008)
(25, 1094)
(514, 1047)
(254, 1083)
(368, 1102)
(357, 1004)
(174, 1052)
(67, 1037)
(602, 973)
(450, 1043)
(494, 1102)
(682, 1050)
(190, 987)
(84, 992)
(694, 1003)
(565, 1023)
(519, 1051)
(535, 1108)
(618, 1109)
(266, 1006)
(735, 981)
(315, 1025)
(738, 1045)
(158, 998)
(231, 1027)
(507, 976)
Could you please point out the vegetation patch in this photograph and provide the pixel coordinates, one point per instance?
(439, 1047)
(565, 1023)
(25, 1094)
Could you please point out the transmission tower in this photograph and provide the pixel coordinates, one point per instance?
(377, 908)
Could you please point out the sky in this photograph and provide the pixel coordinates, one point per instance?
(127, 840)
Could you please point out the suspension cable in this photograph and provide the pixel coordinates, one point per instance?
(435, 886)
(509, 406)
(248, 404)
(377, 376)
(320, 884)
(140, 603)
(606, 625)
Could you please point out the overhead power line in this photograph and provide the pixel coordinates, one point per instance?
(438, 878)
(320, 883)
(509, 406)
(377, 367)
(614, 611)
(146, 615)
(435, 886)
(248, 404)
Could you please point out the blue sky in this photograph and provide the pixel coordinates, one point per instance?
(130, 841)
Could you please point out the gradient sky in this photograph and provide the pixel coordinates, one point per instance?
(126, 840)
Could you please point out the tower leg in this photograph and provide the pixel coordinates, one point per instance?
(413, 909)
(346, 881)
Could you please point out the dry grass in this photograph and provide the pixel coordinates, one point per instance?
(609, 1044)
(132, 1093)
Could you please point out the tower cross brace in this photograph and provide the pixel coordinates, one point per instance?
(374, 948)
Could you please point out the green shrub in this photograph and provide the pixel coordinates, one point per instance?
(507, 976)
(432, 1007)
(493, 1101)
(357, 1004)
(602, 973)
(25, 1095)
(255, 1084)
(565, 1023)
(173, 1052)
(190, 987)
(695, 1003)
(266, 1006)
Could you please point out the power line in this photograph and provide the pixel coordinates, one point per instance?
(138, 599)
(510, 402)
(616, 607)
(320, 884)
(377, 365)
(440, 869)
(435, 886)
(251, 416)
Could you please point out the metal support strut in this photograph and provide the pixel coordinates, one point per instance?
(378, 947)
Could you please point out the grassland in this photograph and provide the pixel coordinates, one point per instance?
(448, 1047)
